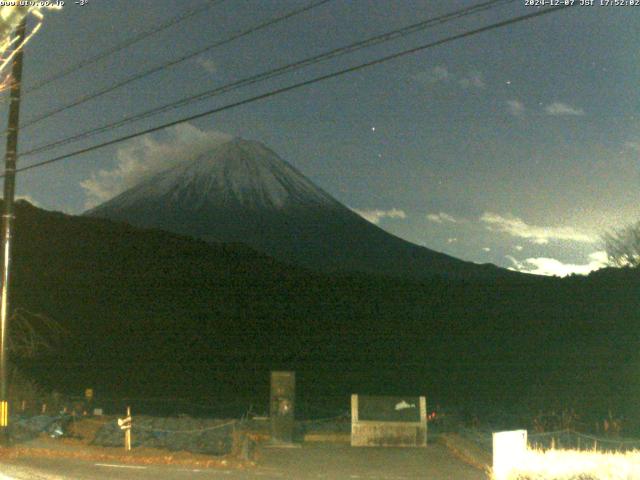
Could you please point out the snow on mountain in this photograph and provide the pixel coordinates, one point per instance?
(243, 192)
(240, 174)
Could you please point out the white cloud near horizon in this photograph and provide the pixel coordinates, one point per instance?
(515, 107)
(440, 73)
(375, 216)
(207, 65)
(441, 218)
(559, 108)
(474, 79)
(552, 266)
(516, 227)
(146, 156)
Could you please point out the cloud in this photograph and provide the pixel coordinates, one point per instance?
(559, 108)
(375, 216)
(147, 156)
(441, 73)
(515, 107)
(435, 75)
(632, 147)
(207, 64)
(540, 235)
(441, 218)
(552, 266)
(473, 79)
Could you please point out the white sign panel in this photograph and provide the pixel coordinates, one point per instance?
(509, 450)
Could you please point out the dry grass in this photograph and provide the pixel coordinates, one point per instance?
(577, 465)
(553, 464)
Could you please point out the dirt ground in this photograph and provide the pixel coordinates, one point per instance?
(306, 462)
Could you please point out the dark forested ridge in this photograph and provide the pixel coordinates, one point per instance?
(153, 313)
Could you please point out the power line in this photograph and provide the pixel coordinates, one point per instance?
(295, 86)
(371, 41)
(125, 44)
(172, 63)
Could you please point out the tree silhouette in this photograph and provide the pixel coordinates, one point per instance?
(33, 334)
(623, 245)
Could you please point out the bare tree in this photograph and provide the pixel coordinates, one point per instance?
(623, 246)
(33, 334)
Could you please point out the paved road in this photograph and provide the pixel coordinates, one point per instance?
(309, 462)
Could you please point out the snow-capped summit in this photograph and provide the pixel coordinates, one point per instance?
(243, 192)
(237, 174)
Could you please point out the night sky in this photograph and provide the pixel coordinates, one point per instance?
(519, 146)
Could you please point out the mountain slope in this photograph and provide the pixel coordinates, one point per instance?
(243, 192)
(150, 313)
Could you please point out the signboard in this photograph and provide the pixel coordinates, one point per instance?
(388, 421)
(282, 406)
(124, 423)
(389, 409)
(509, 448)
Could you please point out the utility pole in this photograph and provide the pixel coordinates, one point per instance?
(7, 220)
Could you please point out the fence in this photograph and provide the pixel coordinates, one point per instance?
(570, 439)
(209, 436)
(560, 439)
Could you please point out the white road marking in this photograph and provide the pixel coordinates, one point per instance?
(137, 467)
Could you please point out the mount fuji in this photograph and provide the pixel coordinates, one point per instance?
(243, 192)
